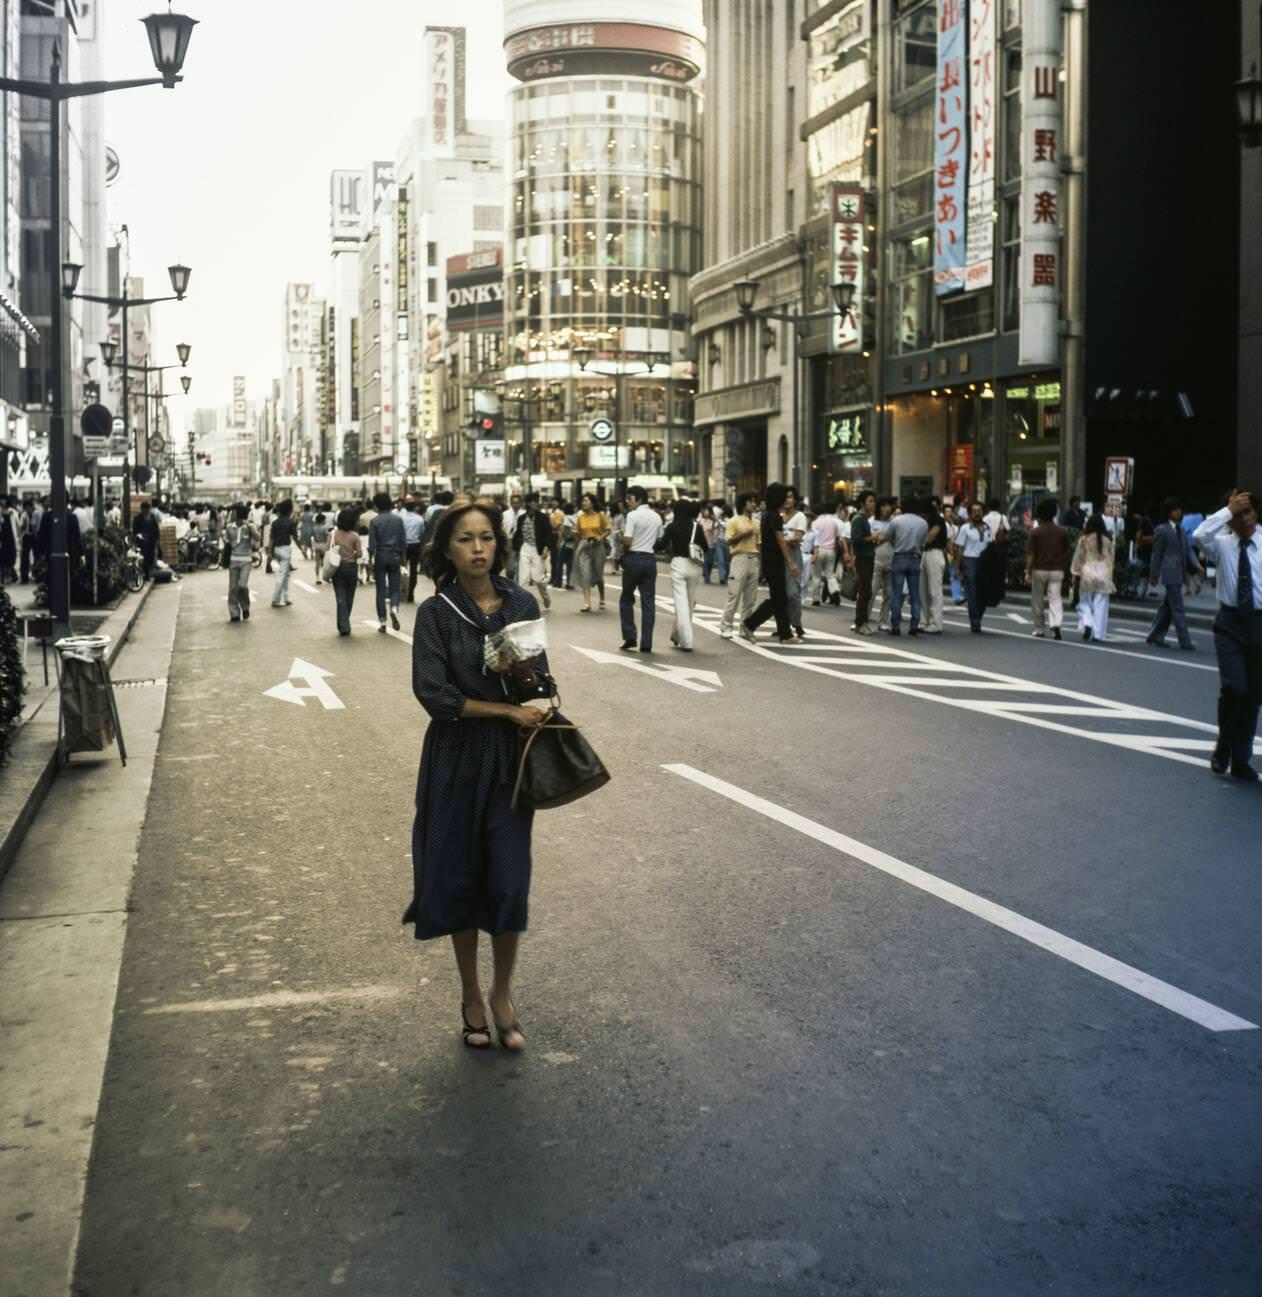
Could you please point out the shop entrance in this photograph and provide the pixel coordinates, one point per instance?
(746, 456)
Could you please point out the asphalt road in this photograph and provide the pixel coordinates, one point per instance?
(839, 1054)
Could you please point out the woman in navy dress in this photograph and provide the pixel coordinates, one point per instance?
(470, 849)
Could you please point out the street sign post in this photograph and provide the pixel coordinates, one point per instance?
(602, 429)
(1119, 473)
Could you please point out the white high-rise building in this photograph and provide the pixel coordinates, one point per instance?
(442, 196)
(348, 197)
(301, 449)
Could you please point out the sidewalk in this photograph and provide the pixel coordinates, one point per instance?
(32, 764)
(63, 918)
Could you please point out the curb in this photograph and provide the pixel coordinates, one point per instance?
(32, 764)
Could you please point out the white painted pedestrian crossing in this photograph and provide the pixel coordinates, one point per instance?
(879, 664)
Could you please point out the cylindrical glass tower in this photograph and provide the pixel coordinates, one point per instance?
(604, 215)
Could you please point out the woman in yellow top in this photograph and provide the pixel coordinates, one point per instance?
(591, 529)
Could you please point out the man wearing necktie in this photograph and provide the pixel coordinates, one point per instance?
(1233, 535)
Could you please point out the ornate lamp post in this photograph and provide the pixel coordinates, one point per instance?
(169, 36)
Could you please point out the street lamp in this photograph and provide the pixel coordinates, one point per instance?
(746, 291)
(186, 382)
(169, 36)
(843, 300)
(179, 276)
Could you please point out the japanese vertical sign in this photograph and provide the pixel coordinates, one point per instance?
(1040, 184)
(440, 57)
(950, 150)
(848, 264)
(980, 270)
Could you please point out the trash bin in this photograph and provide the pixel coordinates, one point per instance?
(89, 718)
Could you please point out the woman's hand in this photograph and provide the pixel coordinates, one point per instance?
(528, 718)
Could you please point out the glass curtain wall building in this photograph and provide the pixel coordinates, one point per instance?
(604, 232)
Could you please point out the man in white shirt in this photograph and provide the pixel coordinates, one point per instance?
(87, 519)
(971, 542)
(1233, 536)
(641, 532)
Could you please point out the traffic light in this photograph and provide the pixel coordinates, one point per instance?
(491, 426)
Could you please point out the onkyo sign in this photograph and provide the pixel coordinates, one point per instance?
(478, 295)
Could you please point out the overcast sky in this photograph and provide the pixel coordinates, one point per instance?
(229, 172)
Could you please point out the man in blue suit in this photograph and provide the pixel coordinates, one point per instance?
(1173, 560)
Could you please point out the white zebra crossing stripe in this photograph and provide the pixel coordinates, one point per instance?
(880, 665)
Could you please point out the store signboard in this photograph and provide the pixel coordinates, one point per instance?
(848, 264)
(950, 149)
(488, 457)
(980, 269)
(604, 456)
(1040, 183)
(346, 204)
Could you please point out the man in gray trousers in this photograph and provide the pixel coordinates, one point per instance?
(1173, 561)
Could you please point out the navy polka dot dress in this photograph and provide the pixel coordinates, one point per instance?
(470, 850)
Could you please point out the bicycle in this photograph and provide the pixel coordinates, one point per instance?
(134, 571)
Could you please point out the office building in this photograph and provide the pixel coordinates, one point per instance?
(604, 234)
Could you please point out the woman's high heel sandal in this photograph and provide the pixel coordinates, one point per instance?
(470, 1030)
(504, 1032)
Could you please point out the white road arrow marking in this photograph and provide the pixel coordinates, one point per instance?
(315, 676)
(699, 681)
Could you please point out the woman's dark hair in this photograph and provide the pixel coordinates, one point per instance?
(348, 519)
(686, 512)
(435, 563)
(775, 496)
(587, 495)
(1095, 527)
(1046, 512)
(240, 512)
(744, 498)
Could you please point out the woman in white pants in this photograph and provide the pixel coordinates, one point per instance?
(1092, 566)
(687, 555)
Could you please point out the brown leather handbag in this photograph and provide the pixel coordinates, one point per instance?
(557, 765)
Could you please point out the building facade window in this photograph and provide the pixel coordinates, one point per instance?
(911, 297)
(915, 47)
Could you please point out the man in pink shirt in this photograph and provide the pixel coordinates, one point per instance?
(824, 569)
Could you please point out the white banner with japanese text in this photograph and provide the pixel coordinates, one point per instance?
(950, 149)
(980, 269)
(848, 264)
(1040, 184)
